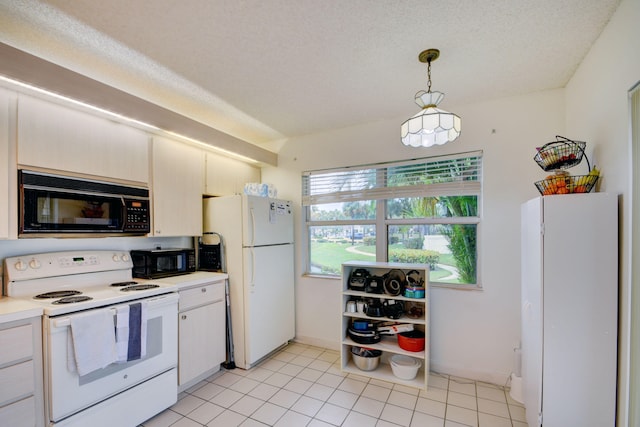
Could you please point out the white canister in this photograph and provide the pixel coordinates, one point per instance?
(351, 307)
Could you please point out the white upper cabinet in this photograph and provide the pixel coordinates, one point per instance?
(176, 189)
(51, 136)
(5, 162)
(225, 176)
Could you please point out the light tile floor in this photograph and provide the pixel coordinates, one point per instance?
(302, 385)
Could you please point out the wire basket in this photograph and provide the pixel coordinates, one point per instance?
(566, 184)
(561, 154)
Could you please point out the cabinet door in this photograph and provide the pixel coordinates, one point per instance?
(20, 414)
(178, 177)
(55, 137)
(225, 176)
(202, 341)
(4, 164)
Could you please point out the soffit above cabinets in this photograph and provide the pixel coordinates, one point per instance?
(29, 69)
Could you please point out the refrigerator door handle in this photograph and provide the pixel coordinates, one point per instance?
(253, 227)
(253, 270)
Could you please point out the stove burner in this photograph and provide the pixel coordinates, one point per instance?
(139, 287)
(124, 283)
(71, 300)
(57, 294)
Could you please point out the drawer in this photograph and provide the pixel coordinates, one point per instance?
(16, 343)
(19, 414)
(199, 295)
(16, 381)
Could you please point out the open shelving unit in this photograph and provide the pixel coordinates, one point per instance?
(388, 344)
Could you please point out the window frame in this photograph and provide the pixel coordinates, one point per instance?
(382, 223)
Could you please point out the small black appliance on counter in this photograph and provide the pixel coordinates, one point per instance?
(157, 263)
(210, 252)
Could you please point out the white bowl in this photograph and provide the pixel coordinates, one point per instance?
(404, 367)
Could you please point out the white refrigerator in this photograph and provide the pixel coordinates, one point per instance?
(257, 234)
(570, 310)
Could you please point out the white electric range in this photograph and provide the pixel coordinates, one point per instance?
(69, 285)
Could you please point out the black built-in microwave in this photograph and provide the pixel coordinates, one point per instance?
(157, 263)
(52, 204)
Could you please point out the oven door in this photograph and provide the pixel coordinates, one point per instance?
(69, 393)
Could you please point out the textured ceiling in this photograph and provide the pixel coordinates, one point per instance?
(266, 70)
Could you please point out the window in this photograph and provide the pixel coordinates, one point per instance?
(419, 211)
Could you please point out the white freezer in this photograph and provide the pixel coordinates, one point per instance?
(266, 221)
(569, 309)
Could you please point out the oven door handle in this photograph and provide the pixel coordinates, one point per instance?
(66, 321)
(157, 300)
(61, 323)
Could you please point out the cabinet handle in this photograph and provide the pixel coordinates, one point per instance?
(184, 316)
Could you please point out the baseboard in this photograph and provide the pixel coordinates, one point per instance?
(498, 378)
(331, 345)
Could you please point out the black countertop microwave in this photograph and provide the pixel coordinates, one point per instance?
(157, 263)
(51, 204)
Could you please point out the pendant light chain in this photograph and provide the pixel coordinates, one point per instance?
(429, 76)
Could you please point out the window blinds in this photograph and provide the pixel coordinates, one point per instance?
(453, 175)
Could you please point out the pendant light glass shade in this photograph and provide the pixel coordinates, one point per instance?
(431, 125)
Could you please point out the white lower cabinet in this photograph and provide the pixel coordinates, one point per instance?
(21, 390)
(201, 332)
(415, 313)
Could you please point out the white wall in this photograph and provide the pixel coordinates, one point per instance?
(598, 112)
(473, 332)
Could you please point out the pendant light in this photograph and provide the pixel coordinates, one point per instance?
(431, 125)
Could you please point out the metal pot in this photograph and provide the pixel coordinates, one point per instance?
(366, 359)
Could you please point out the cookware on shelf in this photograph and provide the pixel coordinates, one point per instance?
(394, 282)
(363, 336)
(404, 367)
(412, 340)
(366, 359)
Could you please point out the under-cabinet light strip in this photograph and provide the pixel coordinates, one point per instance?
(125, 118)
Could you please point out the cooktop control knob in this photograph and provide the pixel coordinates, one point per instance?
(115, 258)
(125, 257)
(34, 263)
(20, 265)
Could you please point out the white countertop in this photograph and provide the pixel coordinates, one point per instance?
(197, 278)
(12, 309)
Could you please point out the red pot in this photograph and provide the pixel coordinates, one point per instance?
(411, 341)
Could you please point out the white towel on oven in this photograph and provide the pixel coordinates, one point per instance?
(94, 340)
(122, 332)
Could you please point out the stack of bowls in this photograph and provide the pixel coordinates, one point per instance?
(404, 367)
